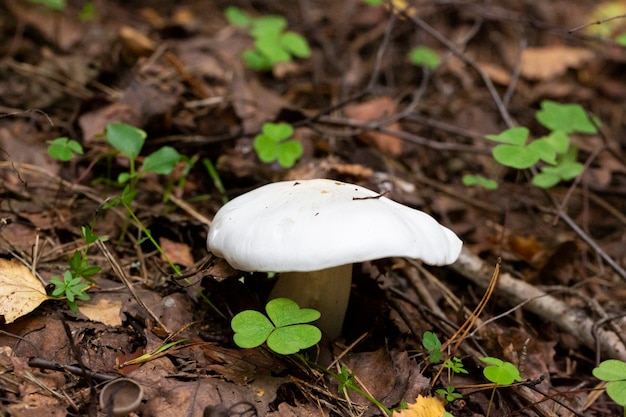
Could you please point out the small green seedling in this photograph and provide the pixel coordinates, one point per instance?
(449, 393)
(272, 44)
(129, 141)
(347, 382)
(422, 56)
(432, 344)
(481, 181)
(285, 332)
(500, 373)
(455, 365)
(71, 287)
(553, 154)
(64, 149)
(274, 144)
(614, 372)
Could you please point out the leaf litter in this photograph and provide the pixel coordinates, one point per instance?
(176, 71)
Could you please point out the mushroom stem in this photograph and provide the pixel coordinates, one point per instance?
(326, 290)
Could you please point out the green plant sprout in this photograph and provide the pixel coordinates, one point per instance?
(480, 180)
(272, 44)
(79, 262)
(347, 382)
(64, 149)
(274, 144)
(215, 177)
(500, 373)
(432, 344)
(613, 371)
(287, 332)
(449, 393)
(72, 288)
(422, 56)
(129, 141)
(455, 365)
(554, 152)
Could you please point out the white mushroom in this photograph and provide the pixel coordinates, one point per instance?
(312, 231)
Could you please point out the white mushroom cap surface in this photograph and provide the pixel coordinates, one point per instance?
(310, 225)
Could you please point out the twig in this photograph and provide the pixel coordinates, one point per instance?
(597, 22)
(592, 243)
(548, 308)
(504, 113)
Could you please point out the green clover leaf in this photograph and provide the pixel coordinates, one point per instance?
(285, 334)
(500, 372)
(251, 329)
(568, 118)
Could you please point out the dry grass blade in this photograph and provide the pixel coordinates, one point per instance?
(122, 275)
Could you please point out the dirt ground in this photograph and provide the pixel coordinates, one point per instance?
(364, 114)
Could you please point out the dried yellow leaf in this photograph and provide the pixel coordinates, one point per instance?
(20, 291)
(102, 310)
(423, 407)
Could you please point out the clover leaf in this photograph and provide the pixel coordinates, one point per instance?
(285, 334)
(64, 148)
(614, 372)
(273, 144)
(568, 118)
(500, 372)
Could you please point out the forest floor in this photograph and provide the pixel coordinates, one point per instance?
(540, 283)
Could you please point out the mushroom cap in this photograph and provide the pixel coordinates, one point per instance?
(309, 225)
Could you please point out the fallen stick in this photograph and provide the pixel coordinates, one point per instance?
(517, 292)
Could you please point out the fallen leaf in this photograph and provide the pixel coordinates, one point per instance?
(423, 407)
(179, 253)
(20, 291)
(551, 61)
(135, 42)
(526, 247)
(371, 111)
(102, 310)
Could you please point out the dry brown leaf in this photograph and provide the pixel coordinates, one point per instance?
(423, 407)
(20, 291)
(496, 73)
(179, 253)
(102, 310)
(551, 61)
(373, 110)
(135, 42)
